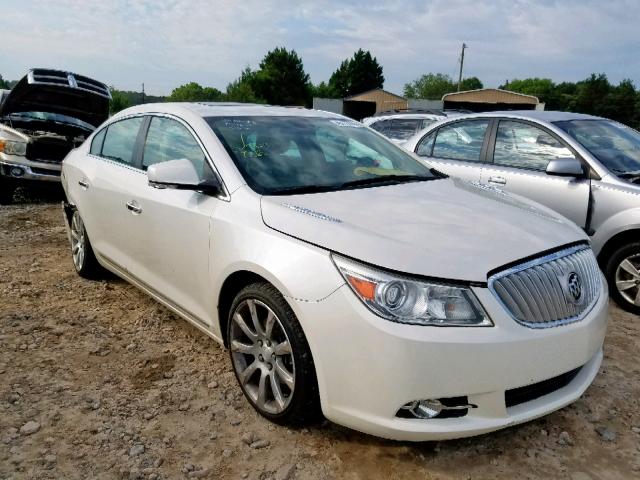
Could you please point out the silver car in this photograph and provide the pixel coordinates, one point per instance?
(585, 167)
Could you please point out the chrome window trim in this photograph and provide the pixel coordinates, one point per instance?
(540, 261)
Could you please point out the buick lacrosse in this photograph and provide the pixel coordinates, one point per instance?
(345, 277)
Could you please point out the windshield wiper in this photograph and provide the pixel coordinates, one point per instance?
(623, 174)
(305, 189)
(386, 180)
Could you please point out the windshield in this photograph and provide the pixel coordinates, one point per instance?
(616, 146)
(49, 117)
(279, 155)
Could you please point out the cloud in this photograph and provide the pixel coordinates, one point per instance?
(165, 43)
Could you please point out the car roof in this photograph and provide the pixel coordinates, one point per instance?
(540, 115)
(214, 109)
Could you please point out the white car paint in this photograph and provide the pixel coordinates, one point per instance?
(182, 246)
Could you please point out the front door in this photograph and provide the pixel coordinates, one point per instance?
(520, 157)
(456, 148)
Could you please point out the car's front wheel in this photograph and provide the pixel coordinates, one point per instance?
(623, 275)
(84, 260)
(271, 357)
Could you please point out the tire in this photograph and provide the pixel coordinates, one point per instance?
(259, 356)
(7, 189)
(622, 271)
(84, 260)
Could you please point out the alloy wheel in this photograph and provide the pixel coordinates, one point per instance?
(262, 357)
(628, 279)
(78, 241)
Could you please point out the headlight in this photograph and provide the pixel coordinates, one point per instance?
(406, 300)
(11, 147)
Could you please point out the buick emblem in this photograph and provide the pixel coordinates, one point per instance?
(573, 288)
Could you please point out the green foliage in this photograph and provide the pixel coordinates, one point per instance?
(281, 79)
(3, 83)
(471, 83)
(193, 92)
(358, 74)
(119, 101)
(241, 90)
(324, 90)
(431, 86)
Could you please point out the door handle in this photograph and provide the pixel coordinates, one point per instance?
(498, 180)
(83, 184)
(134, 208)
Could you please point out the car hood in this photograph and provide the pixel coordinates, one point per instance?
(447, 228)
(62, 93)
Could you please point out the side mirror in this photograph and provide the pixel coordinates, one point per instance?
(181, 175)
(565, 167)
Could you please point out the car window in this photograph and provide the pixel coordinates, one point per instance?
(426, 145)
(522, 145)
(277, 154)
(167, 139)
(402, 129)
(461, 140)
(96, 143)
(120, 140)
(381, 126)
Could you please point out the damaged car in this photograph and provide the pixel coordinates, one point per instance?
(46, 115)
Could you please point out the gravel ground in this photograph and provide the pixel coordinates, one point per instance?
(99, 381)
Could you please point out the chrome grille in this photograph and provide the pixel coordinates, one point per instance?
(552, 290)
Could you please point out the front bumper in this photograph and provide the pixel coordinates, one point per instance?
(26, 170)
(368, 367)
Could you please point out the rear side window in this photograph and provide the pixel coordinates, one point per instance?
(461, 140)
(120, 140)
(401, 129)
(521, 145)
(381, 126)
(168, 139)
(96, 143)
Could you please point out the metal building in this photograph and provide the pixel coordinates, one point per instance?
(365, 104)
(490, 99)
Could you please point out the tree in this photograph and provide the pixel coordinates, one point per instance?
(3, 83)
(431, 86)
(281, 79)
(193, 92)
(324, 90)
(358, 74)
(119, 101)
(241, 90)
(471, 83)
(543, 88)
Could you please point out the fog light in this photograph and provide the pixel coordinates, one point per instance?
(16, 171)
(426, 408)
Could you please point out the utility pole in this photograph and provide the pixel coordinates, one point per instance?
(464, 46)
(143, 92)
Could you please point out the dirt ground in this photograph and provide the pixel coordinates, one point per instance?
(99, 381)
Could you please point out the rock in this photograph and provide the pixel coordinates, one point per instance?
(188, 468)
(184, 407)
(635, 429)
(235, 422)
(285, 471)
(247, 438)
(260, 444)
(30, 428)
(158, 462)
(565, 439)
(199, 473)
(606, 434)
(50, 458)
(213, 384)
(227, 452)
(136, 450)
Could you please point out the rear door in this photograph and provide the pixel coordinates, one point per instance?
(457, 148)
(519, 153)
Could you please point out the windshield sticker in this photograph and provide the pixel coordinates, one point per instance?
(347, 123)
(238, 123)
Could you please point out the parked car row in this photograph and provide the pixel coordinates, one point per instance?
(400, 125)
(346, 276)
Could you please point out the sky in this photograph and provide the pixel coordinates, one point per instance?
(166, 43)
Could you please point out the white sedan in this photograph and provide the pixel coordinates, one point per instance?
(345, 277)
